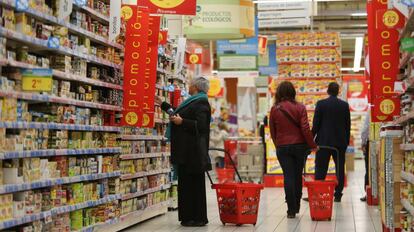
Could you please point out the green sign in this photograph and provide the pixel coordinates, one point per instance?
(407, 44)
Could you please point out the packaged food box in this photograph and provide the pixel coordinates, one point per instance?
(283, 55)
(282, 39)
(296, 39)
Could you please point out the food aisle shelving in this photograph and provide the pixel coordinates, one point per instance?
(65, 161)
(310, 61)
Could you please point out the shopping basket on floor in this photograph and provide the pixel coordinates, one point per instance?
(238, 203)
(321, 194)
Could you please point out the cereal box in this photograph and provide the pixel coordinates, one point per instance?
(282, 39)
(283, 55)
(296, 39)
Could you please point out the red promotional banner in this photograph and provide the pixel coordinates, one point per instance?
(163, 37)
(194, 58)
(178, 7)
(150, 76)
(136, 40)
(262, 44)
(384, 60)
(357, 93)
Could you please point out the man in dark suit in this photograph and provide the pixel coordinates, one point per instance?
(332, 127)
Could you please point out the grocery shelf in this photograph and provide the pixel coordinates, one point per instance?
(408, 27)
(143, 155)
(163, 71)
(308, 62)
(61, 22)
(307, 78)
(142, 193)
(92, 228)
(11, 188)
(57, 152)
(43, 44)
(404, 60)
(56, 211)
(409, 207)
(405, 118)
(142, 174)
(60, 100)
(407, 147)
(61, 75)
(175, 182)
(57, 126)
(391, 133)
(308, 47)
(92, 12)
(133, 218)
(407, 177)
(142, 137)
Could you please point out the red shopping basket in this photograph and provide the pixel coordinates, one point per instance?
(321, 195)
(225, 175)
(238, 203)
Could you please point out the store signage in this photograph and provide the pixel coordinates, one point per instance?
(136, 42)
(407, 44)
(262, 44)
(163, 37)
(114, 19)
(38, 80)
(384, 60)
(287, 5)
(150, 74)
(279, 14)
(230, 62)
(238, 47)
(267, 61)
(293, 22)
(178, 7)
(226, 19)
(402, 8)
(180, 55)
(194, 58)
(64, 8)
(216, 87)
(22, 5)
(357, 93)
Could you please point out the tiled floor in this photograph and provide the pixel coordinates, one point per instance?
(349, 215)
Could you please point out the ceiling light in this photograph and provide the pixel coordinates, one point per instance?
(359, 44)
(352, 69)
(362, 14)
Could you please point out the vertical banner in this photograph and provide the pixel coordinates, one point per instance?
(64, 8)
(262, 45)
(114, 19)
(150, 73)
(384, 59)
(180, 56)
(136, 41)
(163, 37)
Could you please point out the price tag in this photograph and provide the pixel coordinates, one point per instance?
(80, 2)
(53, 42)
(22, 5)
(39, 80)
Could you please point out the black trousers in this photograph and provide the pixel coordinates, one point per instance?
(292, 161)
(366, 158)
(192, 203)
(323, 157)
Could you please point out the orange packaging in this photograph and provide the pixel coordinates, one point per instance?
(284, 71)
(296, 39)
(312, 39)
(282, 39)
(296, 70)
(329, 39)
(313, 70)
(329, 70)
(295, 55)
(283, 55)
(312, 55)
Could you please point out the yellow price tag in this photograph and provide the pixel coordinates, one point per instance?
(37, 80)
(131, 118)
(390, 18)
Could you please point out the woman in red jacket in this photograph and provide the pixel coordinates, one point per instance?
(291, 134)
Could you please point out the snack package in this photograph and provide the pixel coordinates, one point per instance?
(329, 39)
(296, 70)
(312, 39)
(284, 71)
(283, 55)
(295, 55)
(282, 39)
(328, 55)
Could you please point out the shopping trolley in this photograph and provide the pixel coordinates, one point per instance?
(321, 194)
(238, 203)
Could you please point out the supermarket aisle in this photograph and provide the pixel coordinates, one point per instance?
(350, 215)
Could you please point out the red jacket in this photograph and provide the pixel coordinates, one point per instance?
(284, 132)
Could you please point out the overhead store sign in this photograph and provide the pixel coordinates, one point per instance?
(225, 19)
(237, 62)
(178, 7)
(284, 14)
(238, 47)
(384, 60)
(136, 41)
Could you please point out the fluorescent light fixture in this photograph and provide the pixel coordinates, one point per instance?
(352, 69)
(359, 14)
(359, 44)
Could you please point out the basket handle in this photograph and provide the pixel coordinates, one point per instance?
(231, 161)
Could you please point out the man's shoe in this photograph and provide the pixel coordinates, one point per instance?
(291, 215)
(187, 224)
(337, 199)
(305, 199)
(363, 199)
(199, 224)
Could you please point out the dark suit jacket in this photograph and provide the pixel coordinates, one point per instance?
(332, 123)
(190, 140)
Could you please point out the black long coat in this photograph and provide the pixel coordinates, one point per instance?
(190, 140)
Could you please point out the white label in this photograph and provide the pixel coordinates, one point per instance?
(65, 8)
(401, 7)
(283, 14)
(179, 59)
(114, 19)
(294, 22)
(284, 5)
(237, 62)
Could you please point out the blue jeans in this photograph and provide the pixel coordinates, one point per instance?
(292, 160)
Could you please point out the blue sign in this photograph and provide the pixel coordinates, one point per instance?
(238, 47)
(80, 2)
(53, 42)
(409, 3)
(271, 69)
(22, 5)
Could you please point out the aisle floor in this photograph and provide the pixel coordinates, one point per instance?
(349, 215)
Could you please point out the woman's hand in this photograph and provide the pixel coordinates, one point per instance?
(176, 119)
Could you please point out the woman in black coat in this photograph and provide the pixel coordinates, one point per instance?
(189, 134)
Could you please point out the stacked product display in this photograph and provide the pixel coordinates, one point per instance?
(65, 163)
(310, 61)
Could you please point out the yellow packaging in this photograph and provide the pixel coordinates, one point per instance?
(296, 39)
(23, 24)
(282, 39)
